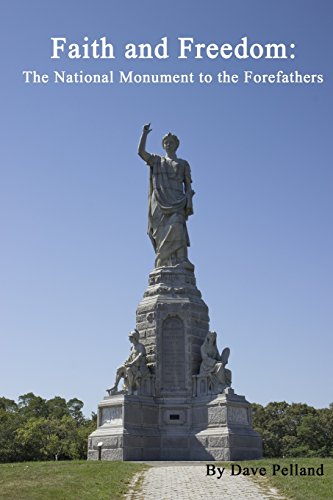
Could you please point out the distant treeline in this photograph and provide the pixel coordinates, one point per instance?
(294, 430)
(40, 429)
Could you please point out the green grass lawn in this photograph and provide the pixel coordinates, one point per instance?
(80, 480)
(297, 487)
(66, 480)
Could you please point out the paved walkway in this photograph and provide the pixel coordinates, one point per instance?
(168, 481)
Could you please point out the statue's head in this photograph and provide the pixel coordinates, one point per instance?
(211, 337)
(170, 143)
(134, 334)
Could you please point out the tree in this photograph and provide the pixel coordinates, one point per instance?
(39, 429)
(75, 406)
(32, 406)
(9, 421)
(57, 407)
(294, 430)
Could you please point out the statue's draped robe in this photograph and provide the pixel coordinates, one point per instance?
(134, 373)
(212, 366)
(210, 357)
(167, 207)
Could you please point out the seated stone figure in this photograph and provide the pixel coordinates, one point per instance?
(134, 369)
(213, 364)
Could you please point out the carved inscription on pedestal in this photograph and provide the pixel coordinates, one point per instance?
(238, 415)
(112, 416)
(173, 355)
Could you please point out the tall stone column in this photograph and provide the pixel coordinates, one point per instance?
(173, 322)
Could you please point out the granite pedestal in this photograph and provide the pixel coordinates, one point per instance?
(176, 413)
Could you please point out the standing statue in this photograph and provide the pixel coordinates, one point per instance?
(213, 364)
(135, 367)
(170, 202)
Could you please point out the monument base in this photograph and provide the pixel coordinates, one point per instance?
(175, 428)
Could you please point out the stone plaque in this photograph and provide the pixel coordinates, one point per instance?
(173, 355)
(174, 417)
(112, 416)
(238, 415)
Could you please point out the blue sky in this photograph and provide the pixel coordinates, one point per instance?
(75, 256)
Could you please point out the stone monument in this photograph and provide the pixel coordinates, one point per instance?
(176, 402)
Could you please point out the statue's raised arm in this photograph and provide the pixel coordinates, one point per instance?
(142, 144)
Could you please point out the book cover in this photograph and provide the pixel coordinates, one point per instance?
(247, 88)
